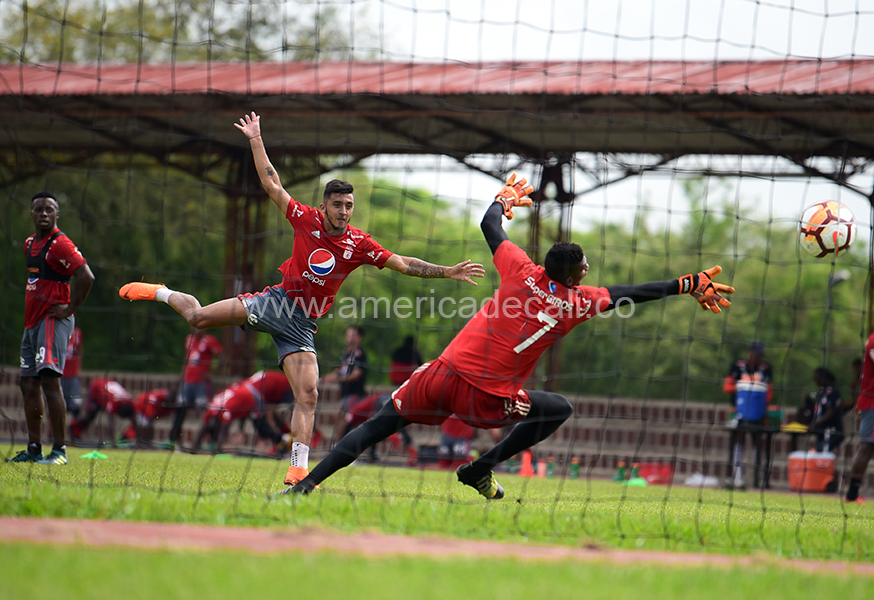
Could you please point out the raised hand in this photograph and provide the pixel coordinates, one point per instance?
(514, 194)
(250, 125)
(707, 292)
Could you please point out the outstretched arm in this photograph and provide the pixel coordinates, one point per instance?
(250, 125)
(414, 267)
(700, 285)
(493, 228)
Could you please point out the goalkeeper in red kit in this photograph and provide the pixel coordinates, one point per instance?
(479, 377)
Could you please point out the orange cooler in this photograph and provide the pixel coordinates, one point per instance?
(811, 471)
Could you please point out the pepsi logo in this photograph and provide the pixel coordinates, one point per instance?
(32, 279)
(321, 262)
(552, 287)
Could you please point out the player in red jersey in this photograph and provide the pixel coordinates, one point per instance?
(247, 398)
(326, 249)
(479, 376)
(200, 349)
(107, 395)
(52, 259)
(865, 408)
(150, 406)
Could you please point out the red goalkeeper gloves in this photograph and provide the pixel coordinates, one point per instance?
(514, 194)
(707, 292)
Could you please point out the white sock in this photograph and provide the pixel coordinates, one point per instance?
(163, 294)
(300, 455)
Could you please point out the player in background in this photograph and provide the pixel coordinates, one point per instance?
(70, 383)
(404, 360)
(351, 374)
(326, 249)
(479, 376)
(49, 305)
(749, 384)
(200, 350)
(248, 398)
(104, 395)
(149, 407)
(865, 418)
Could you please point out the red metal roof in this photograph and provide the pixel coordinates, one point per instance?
(795, 77)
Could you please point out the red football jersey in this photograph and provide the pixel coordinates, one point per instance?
(199, 352)
(499, 347)
(866, 389)
(272, 385)
(109, 394)
(64, 258)
(74, 354)
(153, 403)
(319, 263)
(235, 402)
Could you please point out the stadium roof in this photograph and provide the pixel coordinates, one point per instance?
(797, 109)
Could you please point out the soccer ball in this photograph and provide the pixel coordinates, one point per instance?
(827, 228)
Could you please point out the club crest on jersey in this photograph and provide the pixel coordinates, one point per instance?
(552, 287)
(321, 262)
(347, 254)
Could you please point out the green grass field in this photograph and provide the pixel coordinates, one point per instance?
(166, 487)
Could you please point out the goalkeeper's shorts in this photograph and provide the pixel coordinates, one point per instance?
(435, 391)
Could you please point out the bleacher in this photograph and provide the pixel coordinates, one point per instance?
(691, 436)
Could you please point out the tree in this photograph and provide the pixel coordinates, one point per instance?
(170, 30)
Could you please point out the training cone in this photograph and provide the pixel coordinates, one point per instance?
(526, 470)
(94, 455)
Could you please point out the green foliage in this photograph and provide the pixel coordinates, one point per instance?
(163, 30)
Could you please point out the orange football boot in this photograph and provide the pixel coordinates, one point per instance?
(295, 474)
(137, 290)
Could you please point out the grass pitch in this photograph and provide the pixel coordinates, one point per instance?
(109, 573)
(166, 487)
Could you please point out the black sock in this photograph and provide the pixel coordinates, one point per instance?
(60, 448)
(548, 411)
(853, 490)
(34, 448)
(386, 422)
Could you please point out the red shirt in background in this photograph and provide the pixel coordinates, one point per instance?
(271, 385)
(74, 354)
(199, 352)
(109, 394)
(455, 427)
(153, 403)
(64, 258)
(866, 388)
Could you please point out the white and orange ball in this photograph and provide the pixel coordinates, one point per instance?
(827, 228)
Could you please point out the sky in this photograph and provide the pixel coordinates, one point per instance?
(490, 30)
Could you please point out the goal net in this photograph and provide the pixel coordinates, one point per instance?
(663, 138)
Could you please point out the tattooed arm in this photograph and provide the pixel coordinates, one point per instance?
(414, 267)
(250, 125)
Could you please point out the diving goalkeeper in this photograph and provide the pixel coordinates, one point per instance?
(479, 377)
